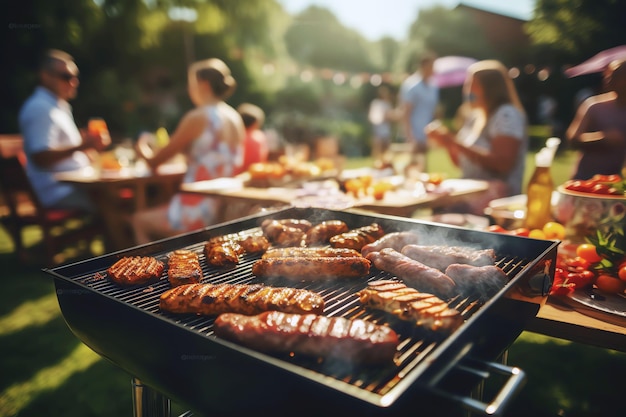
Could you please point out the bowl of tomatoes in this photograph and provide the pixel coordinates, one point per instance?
(583, 207)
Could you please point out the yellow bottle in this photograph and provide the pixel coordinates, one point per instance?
(539, 192)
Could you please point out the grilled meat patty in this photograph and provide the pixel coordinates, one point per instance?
(183, 267)
(210, 299)
(320, 233)
(425, 310)
(413, 273)
(222, 252)
(136, 270)
(357, 238)
(441, 257)
(312, 269)
(309, 252)
(395, 240)
(311, 335)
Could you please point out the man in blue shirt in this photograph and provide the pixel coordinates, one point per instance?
(52, 141)
(419, 96)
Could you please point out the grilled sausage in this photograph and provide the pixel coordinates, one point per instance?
(309, 252)
(441, 257)
(395, 240)
(312, 269)
(209, 299)
(274, 228)
(254, 244)
(322, 232)
(425, 310)
(413, 273)
(183, 267)
(311, 335)
(357, 238)
(484, 280)
(136, 270)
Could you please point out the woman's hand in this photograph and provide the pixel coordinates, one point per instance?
(438, 133)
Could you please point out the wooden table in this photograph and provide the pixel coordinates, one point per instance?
(120, 193)
(400, 203)
(566, 320)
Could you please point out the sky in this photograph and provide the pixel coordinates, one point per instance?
(377, 18)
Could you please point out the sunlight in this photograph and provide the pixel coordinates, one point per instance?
(31, 313)
(18, 396)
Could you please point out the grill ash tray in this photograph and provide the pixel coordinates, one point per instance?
(180, 356)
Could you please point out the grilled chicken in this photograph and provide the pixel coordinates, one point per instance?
(222, 252)
(413, 273)
(357, 238)
(136, 270)
(311, 335)
(322, 232)
(312, 269)
(441, 257)
(425, 310)
(209, 299)
(309, 252)
(395, 240)
(183, 267)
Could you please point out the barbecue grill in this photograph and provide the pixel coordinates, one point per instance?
(179, 356)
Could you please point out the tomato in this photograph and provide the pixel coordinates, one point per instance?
(580, 279)
(588, 252)
(537, 234)
(606, 178)
(610, 284)
(496, 228)
(554, 230)
(600, 189)
(521, 231)
(622, 273)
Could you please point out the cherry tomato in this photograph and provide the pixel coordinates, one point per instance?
(537, 234)
(600, 189)
(521, 231)
(554, 230)
(496, 228)
(610, 284)
(580, 279)
(578, 263)
(622, 273)
(588, 252)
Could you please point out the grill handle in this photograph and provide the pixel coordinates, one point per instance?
(484, 370)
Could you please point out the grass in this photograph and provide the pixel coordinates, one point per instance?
(46, 371)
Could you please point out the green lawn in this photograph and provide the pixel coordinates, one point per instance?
(46, 371)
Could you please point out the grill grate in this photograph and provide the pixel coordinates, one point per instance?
(340, 300)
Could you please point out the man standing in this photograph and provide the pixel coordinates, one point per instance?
(419, 96)
(52, 142)
(598, 130)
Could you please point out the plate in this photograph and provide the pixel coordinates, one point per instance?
(561, 189)
(218, 184)
(603, 306)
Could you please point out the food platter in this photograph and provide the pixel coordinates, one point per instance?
(561, 189)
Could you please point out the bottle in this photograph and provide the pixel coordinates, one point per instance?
(540, 187)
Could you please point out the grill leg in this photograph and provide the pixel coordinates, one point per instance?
(148, 402)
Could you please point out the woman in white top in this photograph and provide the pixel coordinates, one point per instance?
(493, 143)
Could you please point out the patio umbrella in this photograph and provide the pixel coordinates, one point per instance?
(451, 71)
(598, 62)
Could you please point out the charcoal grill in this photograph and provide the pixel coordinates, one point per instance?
(180, 357)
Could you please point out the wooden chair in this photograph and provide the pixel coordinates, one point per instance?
(60, 228)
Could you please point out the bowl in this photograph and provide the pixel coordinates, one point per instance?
(583, 214)
(510, 212)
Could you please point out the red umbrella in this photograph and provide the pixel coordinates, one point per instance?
(451, 71)
(598, 62)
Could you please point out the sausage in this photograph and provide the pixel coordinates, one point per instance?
(183, 267)
(222, 252)
(484, 280)
(413, 273)
(441, 257)
(273, 228)
(312, 269)
(395, 240)
(322, 232)
(357, 238)
(425, 310)
(312, 335)
(209, 299)
(254, 244)
(309, 252)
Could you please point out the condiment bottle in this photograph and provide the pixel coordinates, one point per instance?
(540, 187)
